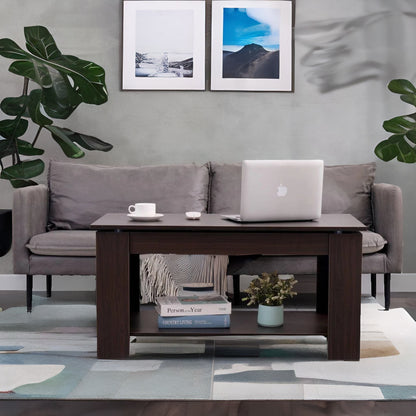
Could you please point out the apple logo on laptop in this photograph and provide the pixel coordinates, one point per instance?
(281, 190)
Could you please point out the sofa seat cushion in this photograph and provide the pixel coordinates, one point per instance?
(80, 194)
(372, 242)
(72, 243)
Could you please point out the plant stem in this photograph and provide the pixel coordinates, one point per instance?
(37, 135)
(25, 86)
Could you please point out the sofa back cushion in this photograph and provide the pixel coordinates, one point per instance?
(346, 189)
(79, 194)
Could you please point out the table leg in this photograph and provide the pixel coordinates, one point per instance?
(322, 285)
(135, 283)
(113, 294)
(344, 296)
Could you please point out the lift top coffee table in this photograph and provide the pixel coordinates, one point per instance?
(334, 239)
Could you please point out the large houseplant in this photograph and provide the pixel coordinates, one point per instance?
(401, 144)
(63, 82)
(269, 291)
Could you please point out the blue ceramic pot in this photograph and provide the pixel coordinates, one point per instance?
(270, 315)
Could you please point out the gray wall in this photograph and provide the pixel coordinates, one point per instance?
(345, 54)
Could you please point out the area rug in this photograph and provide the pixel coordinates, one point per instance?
(51, 353)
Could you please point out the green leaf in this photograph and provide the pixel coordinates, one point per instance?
(69, 148)
(411, 135)
(23, 170)
(401, 86)
(21, 183)
(399, 124)
(88, 77)
(33, 70)
(34, 108)
(10, 49)
(11, 129)
(395, 146)
(409, 99)
(6, 147)
(87, 142)
(40, 42)
(15, 106)
(25, 148)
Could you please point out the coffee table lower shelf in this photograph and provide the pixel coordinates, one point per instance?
(243, 322)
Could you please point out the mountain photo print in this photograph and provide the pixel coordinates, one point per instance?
(252, 45)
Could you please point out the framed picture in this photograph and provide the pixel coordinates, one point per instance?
(251, 45)
(163, 45)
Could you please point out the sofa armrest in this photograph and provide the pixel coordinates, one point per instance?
(388, 221)
(30, 216)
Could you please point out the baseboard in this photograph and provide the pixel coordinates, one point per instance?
(59, 283)
(405, 282)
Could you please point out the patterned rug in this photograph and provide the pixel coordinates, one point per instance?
(51, 353)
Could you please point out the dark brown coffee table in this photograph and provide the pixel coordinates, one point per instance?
(335, 240)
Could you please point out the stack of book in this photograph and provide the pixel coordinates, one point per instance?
(208, 311)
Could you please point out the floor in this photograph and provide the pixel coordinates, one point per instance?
(203, 407)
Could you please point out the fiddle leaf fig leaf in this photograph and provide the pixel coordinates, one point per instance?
(399, 124)
(25, 148)
(85, 141)
(68, 147)
(10, 49)
(396, 146)
(40, 42)
(401, 86)
(19, 174)
(88, 77)
(34, 107)
(15, 106)
(10, 129)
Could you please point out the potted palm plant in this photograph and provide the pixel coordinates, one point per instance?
(269, 291)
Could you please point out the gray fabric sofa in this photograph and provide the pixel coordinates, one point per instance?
(51, 233)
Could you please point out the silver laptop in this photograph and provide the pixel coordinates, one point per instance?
(280, 190)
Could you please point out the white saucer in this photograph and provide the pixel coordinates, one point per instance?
(146, 218)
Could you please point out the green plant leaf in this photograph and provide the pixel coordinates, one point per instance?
(401, 86)
(23, 171)
(34, 107)
(40, 42)
(10, 129)
(411, 135)
(85, 141)
(6, 147)
(10, 49)
(409, 98)
(399, 124)
(15, 106)
(88, 77)
(69, 148)
(25, 148)
(396, 146)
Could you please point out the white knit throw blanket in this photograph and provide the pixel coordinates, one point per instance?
(163, 274)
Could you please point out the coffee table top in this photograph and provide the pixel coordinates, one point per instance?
(215, 222)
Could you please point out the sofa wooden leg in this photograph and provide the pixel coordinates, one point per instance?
(387, 279)
(48, 285)
(29, 289)
(236, 289)
(373, 285)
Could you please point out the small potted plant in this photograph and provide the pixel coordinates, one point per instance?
(269, 291)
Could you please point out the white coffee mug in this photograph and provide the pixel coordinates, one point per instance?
(143, 209)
